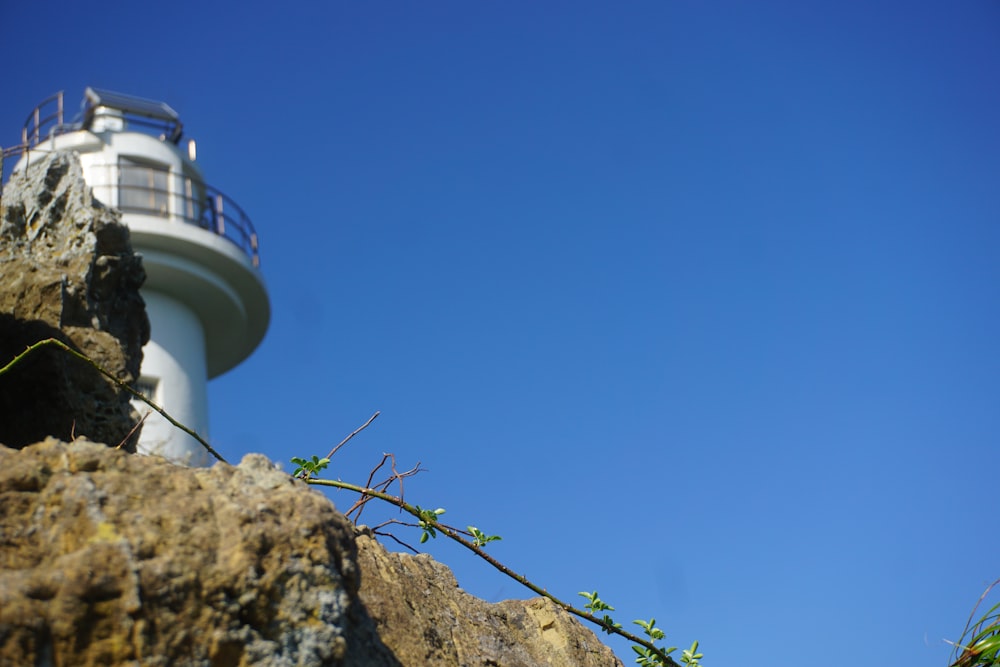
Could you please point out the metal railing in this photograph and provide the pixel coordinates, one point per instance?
(158, 192)
(44, 121)
(48, 118)
(189, 201)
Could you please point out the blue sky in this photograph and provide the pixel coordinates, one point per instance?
(694, 302)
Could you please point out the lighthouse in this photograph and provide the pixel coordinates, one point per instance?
(206, 300)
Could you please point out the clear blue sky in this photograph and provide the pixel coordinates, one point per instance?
(695, 302)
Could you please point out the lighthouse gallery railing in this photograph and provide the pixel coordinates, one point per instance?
(194, 203)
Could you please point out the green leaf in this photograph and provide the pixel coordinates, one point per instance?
(645, 626)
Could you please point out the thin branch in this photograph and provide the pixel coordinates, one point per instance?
(519, 578)
(132, 431)
(356, 431)
(360, 503)
(371, 474)
(82, 357)
(396, 540)
(383, 485)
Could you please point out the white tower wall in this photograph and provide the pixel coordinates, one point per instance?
(173, 371)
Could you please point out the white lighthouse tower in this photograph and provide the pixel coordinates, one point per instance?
(206, 300)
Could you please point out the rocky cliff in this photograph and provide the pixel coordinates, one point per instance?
(109, 558)
(67, 271)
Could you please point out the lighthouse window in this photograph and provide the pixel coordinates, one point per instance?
(142, 187)
(147, 387)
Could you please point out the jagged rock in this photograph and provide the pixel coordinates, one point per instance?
(67, 270)
(426, 619)
(108, 558)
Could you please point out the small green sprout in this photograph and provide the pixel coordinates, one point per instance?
(691, 656)
(481, 539)
(309, 467)
(595, 603)
(428, 519)
(647, 656)
(650, 629)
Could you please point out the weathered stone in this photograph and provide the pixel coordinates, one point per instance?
(426, 619)
(67, 271)
(108, 558)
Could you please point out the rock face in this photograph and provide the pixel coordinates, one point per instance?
(425, 618)
(108, 558)
(67, 271)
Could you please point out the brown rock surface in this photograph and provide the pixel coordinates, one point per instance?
(67, 271)
(108, 558)
(426, 619)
